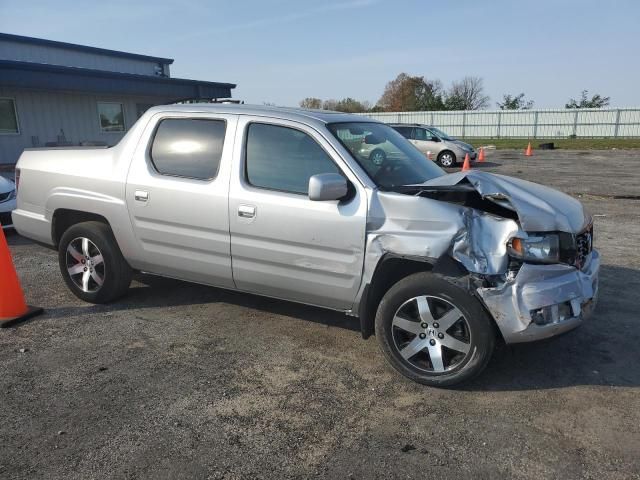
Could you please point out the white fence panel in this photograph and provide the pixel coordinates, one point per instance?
(611, 122)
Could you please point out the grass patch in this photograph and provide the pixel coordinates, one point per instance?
(564, 143)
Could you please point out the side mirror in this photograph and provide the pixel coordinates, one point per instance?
(373, 139)
(327, 186)
(435, 139)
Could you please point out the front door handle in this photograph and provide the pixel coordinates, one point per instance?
(246, 211)
(141, 195)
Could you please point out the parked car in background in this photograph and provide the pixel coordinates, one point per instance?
(283, 203)
(445, 150)
(7, 201)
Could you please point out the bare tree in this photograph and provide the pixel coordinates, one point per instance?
(467, 94)
(311, 102)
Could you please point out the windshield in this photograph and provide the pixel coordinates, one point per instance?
(389, 158)
(440, 133)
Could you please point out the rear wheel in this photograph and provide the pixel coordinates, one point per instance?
(434, 332)
(447, 159)
(91, 263)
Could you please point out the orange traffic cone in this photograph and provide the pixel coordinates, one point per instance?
(481, 155)
(467, 163)
(13, 308)
(528, 152)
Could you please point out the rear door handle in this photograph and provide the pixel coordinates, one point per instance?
(246, 211)
(141, 195)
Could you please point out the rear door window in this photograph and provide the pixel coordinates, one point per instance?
(404, 131)
(423, 134)
(188, 147)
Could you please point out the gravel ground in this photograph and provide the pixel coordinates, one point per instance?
(185, 381)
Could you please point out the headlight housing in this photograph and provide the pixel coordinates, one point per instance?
(12, 195)
(541, 248)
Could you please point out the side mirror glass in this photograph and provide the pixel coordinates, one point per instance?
(327, 186)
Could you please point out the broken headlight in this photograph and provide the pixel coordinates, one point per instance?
(543, 248)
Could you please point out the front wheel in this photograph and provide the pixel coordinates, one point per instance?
(447, 159)
(433, 332)
(91, 263)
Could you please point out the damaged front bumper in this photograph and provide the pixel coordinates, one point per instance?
(543, 300)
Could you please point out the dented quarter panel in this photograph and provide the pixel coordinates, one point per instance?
(415, 226)
(419, 227)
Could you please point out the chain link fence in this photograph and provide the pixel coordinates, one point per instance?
(563, 123)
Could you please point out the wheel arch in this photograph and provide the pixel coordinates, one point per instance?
(389, 270)
(64, 218)
(392, 268)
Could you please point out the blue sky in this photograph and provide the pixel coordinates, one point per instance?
(281, 51)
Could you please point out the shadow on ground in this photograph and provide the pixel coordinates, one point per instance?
(158, 292)
(603, 351)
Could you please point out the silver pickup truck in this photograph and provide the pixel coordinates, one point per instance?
(278, 202)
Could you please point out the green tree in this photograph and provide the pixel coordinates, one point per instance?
(411, 93)
(351, 105)
(467, 94)
(311, 102)
(596, 101)
(331, 104)
(515, 102)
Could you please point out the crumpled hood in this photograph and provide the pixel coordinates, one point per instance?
(539, 208)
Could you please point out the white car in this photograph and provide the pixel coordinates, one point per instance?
(7, 202)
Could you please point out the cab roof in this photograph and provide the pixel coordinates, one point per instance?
(286, 113)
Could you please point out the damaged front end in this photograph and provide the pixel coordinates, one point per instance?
(479, 220)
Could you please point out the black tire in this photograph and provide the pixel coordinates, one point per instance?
(447, 159)
(480, 329)
(115, 272)
(377, 157)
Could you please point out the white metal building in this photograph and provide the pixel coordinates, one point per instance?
(61, 94)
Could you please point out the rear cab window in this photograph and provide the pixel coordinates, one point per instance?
(188, 147)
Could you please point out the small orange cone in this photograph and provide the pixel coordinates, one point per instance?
(528, 152)
(467, 163)
(13, 308)
(481, 155)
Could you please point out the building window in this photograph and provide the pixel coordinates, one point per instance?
(8, 116)
(191, 148)
(111, 117)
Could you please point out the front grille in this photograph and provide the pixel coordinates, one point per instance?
(5, 218)
(584, 245)
(575, 249)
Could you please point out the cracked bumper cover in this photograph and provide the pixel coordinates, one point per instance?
(539, 286)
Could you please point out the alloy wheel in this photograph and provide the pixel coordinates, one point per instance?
(377, 158)
(446, 160)
(85, 264)
(431, 334)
